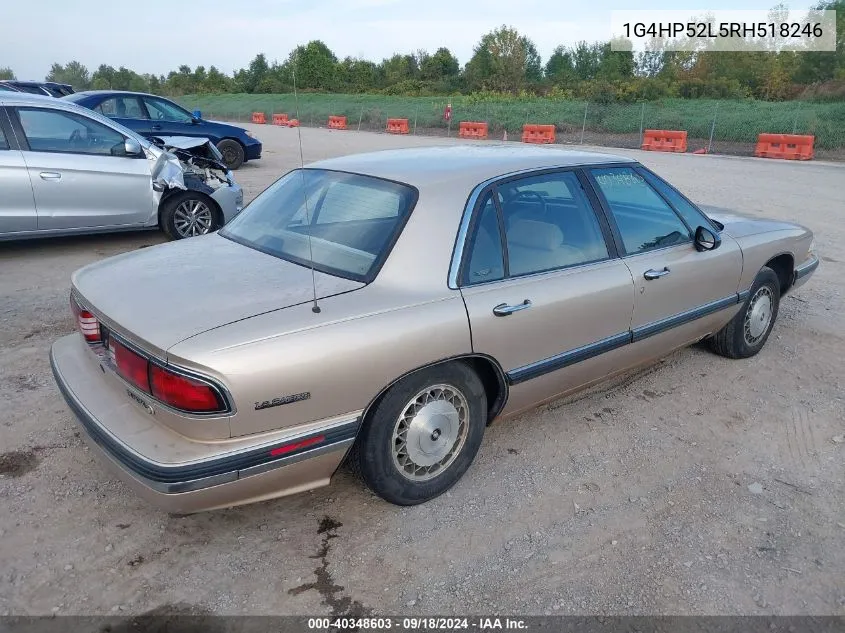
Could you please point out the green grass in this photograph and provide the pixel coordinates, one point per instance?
(736, 121)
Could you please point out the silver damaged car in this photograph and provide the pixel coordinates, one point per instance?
(67, 170)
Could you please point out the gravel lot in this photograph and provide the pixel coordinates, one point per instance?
(696, 486)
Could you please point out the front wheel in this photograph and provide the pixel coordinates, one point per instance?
(188, 214)
(422, 436)
(233, 153)
(748, 331)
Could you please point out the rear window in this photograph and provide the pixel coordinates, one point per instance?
(345, 223)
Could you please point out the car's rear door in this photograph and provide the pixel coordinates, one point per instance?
(681, 293)
(545, 293)
(79, 177)
(127, 110)
(17, 204)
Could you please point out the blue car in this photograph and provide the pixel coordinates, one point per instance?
(152, 116)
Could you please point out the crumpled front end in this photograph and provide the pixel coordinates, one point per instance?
(188, 163)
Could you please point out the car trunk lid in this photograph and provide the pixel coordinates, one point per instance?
(163, 295)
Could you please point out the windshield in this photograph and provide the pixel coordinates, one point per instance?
(345, 223)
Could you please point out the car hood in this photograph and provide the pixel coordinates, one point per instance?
(738, 225)
(164, 294)
(226, 128)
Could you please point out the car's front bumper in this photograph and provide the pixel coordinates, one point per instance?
(805, 270)
(252, 151)
(231, 200)
(231, 472)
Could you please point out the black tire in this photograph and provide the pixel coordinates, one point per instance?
(233, 153)
(733, 341)
(169, 220)
(372, 455)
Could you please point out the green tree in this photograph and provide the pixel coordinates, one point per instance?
(399, 68)
(6, 73)
(358, 75)
(72, 73)
(560, 69)
(503, 60)
(614, 65)
(816, 66)
(586, 59)
(439, 66)
(315, 66)
(215, 81)
(103, 77)
(247, 79)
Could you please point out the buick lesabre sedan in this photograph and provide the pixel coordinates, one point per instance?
(386, 307)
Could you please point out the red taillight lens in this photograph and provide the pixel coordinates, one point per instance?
(130, 366)
(183, 392)
(86, 322)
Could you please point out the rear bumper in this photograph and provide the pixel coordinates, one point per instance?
(804, 271)
(242, 470)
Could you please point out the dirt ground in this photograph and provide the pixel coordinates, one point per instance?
(699, 485)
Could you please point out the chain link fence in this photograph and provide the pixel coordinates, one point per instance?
(725, 127)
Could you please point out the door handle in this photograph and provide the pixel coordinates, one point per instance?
(503, 309)
(50, 175)
(656, 274)
(156, 126)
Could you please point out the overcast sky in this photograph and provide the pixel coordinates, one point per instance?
(156, 36)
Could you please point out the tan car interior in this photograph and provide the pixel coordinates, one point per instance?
(542, 233)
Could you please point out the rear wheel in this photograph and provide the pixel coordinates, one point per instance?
(233, 153)
(748, 331)
(421, 437)
(189, 214)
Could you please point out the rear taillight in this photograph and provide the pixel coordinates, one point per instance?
(183, 392)
(130, 366)
(86, 322)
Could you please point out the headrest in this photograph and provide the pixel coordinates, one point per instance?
(542, 236)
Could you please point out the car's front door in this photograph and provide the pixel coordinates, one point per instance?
(126, 110)
(545, 293)
(681, 293)
(80, 174)
(17, 205)
(168, 119)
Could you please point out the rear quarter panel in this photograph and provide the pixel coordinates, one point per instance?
(344, 356)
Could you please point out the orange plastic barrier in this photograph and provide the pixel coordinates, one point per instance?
(788, 146)
(538, 133)
(665, 140)
(280, 119)
(471, 129)
(337, 122)
(398, 126)
(293, 123)
(258, 117)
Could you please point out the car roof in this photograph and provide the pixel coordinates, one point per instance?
(462, 165)
(92, 93)
(27, 98)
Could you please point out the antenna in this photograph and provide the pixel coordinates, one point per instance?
(314, 308)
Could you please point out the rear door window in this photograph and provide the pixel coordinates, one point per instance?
(121, 108)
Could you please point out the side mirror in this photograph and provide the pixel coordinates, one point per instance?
(706, 239)
(197, 114)
(131, 147)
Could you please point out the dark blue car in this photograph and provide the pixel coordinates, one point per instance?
(150, 116)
